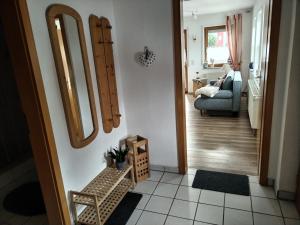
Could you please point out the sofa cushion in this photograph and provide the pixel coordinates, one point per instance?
(228, 82)
(223, 94)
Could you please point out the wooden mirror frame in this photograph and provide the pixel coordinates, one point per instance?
(76, 135)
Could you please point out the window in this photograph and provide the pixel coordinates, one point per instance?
(257, 42)
(216, 45)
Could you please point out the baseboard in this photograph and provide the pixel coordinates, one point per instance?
(286, 195)
(164, 168)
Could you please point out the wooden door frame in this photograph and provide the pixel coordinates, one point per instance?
(271, 64)
(27, 73)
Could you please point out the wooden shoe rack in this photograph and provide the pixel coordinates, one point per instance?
(101, 196)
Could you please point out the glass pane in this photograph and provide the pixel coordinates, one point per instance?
(70, 49)
(80, 84)
(217, 50)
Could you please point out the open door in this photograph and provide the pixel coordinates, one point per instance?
(298, 192)
(21, 47)
(185, 61)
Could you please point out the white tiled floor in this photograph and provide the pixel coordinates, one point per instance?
(169, 199)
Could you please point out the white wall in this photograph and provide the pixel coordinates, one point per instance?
(149, 92)
(78, 166)
(196, 48)
(284, 50)
(289, 142)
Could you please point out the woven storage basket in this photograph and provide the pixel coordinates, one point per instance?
(140, 152)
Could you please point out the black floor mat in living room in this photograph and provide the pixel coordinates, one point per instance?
(25, 200)
(222, 182)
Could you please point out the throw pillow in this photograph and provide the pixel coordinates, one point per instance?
(209, 91)
(228, 83)
(219, 83)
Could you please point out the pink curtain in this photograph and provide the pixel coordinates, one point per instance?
(234, 34)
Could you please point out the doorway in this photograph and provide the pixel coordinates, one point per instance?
(223, 130)
(21, 197)
(26, 72)
(270, 47)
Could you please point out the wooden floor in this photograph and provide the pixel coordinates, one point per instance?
(221, 143)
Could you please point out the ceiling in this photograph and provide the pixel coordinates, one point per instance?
(214, 6)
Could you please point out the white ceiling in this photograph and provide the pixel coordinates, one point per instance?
(214, 6)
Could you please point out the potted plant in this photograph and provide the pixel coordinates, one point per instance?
(119, 155)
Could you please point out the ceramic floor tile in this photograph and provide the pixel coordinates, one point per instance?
(134, 217)
(212, 197)
(143, 201)
(266, 205)
(4, 215)
(237, 217)
(159, 204)
(262, 219)
(209, 214)
(253, 179)
(166, 190)
(191, 171)
(187, 180)
(289, 209)
(291, 221)
(171, 178)
(178, 221)
(18, 220)
(201, 223)
(155, 175)
(37, 220)
(188, 193)
(146, 187)
(183, 209)
(261, 191)
(238, 202)
(149, 218)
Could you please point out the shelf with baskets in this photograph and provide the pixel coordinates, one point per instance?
(102, 195)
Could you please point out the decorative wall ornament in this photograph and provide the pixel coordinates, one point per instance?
(146, 58)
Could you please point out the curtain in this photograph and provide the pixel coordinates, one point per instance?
(234, 34)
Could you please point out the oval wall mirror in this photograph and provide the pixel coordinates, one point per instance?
(71, 60)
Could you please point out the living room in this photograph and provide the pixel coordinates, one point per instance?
(224, 83)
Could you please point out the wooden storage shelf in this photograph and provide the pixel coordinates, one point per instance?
(139, 150)
(89, 215)
(102, 195)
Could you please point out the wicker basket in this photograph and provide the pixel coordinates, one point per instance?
(140, 152)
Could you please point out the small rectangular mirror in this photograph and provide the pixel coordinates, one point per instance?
(70, 54)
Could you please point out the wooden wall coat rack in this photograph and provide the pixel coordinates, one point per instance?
(105, 70)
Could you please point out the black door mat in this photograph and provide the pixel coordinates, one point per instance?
(124, 210)
(26, 200)
(222, 182)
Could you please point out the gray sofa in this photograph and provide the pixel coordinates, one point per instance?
(224, 100)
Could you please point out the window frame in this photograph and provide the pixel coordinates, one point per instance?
(206, 30)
